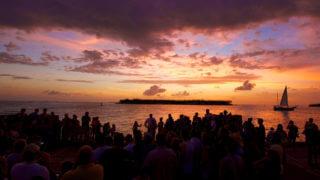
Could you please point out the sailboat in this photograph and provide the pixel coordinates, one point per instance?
(284, 103)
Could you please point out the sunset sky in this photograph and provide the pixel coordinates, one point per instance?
(81, 50)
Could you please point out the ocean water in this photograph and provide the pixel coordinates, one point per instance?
(123, 115)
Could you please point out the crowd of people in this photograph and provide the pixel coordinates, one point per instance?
(210, 147)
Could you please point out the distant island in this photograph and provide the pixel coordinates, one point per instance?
(314, 105)
(182, 102)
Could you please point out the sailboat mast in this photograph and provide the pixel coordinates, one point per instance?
(277, 99)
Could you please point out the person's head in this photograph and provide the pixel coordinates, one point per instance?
(311, 120)
(250, 120)
(118, 139)
(260, 121)
(74, 116)
(19, 145)
(128, 138)
(52, 114)
(272, 129)
(23, 110)
(161, 119)
(147, 138)
(36, 110)
(66, 115)
(66, 166)
(279, 127)
(196, 114)
(44, 111)
(87, 114)
(207, 111)
(181, 116)
(31, 152)
(161, 139)
(150, 115)
(84, 155)
(291, 122)
(170, 116)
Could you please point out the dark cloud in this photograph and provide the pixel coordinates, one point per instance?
(153, 90)
(281, 59)
(246, 86)
(20, 38)
(55, 93)
(15, 76)
(205, 80)
(76, 81)
(46, 56)
(19, 59)
(101, 63)
(11, 47)
(142, 24)
(181, 94)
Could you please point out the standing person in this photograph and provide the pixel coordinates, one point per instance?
(162, 162)
(261, 133)
(135, 127)
(160, 125)
(85, 169)
(187, 153)
(29, 168)
(85, 120)
(66, 128)
(293, 133)
(208, 115)
(311, 132)
(151, 124)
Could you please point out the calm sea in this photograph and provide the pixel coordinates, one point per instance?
(123, 115)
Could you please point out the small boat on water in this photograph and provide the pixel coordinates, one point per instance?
(284, 106)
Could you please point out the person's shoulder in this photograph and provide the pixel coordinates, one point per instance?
(17, 166)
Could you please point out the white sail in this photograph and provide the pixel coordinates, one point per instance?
(284, 99)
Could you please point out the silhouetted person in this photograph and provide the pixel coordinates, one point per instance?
(161, 163)
(151, 124)
(116, 161)
(29, 168)
(160, 125)
(293, 132)
(312, 137)
(85, 169)
(86, 120)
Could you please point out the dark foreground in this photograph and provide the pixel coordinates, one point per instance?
(296, 165)
(216, 146)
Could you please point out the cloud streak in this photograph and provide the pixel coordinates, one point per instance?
(75, 81)
(15, 76)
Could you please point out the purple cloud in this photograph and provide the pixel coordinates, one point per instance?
(153, 90)
(142, 24)
(15, 76)
(76, 81)
(11, 47)
(55, 93)
(237, 77)
(19, 59)
(181, 94)
(246, 86)
(46, 56)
